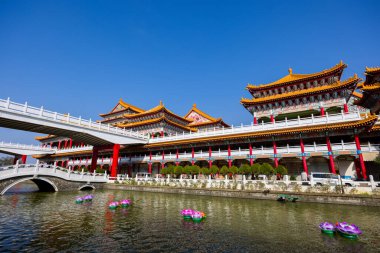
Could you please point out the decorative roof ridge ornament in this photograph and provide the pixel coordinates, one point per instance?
(290, 71)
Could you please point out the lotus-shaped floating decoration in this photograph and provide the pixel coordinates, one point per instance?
(79, 200)
(125, 202)
(197, 216)
(113, 205)
(186, 213)
(348, 230)
(88, 197)
(327, 227)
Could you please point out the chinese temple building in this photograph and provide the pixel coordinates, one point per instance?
(306, 122)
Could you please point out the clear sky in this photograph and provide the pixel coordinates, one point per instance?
(83, 56)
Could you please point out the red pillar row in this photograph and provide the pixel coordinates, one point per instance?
(94, 159)
(23, 159)
(361, 160)
(304, 163)
(209, 157)
(322, 111)
(192, 156)
(229, 157)
(115, 160)
(275, 154)
(331, 157)
(271, 118)
(250, 154)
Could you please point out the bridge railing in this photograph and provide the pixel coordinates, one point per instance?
(26, 147)
(50, 170)
(65, 118)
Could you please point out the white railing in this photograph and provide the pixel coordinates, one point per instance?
(25, 109)
(49, 170)
(74, 149)
(26, 147)
(341, 117)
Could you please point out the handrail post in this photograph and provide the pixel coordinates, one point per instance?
(327, 117)
(41, 111)
(25, 107)
(68, 118)
(7, 103)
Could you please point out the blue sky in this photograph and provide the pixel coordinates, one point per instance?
(83, 56)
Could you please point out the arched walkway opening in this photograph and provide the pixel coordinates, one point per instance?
(24, 185)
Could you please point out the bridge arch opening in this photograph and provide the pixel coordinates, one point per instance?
(87, 187)
(43, 185)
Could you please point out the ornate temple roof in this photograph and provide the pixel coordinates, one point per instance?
(159, 108)
(300, 93)
(154, 121)
(122, 106)
(200, 118)
(45, 137)
(296, 78)
(372, 70)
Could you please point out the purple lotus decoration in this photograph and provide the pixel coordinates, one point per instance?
(187, 213)
(196, 215)
(113, 205)
(125, 202)
(88, 197)
(327, 226)
(79, 200)
(348, 229)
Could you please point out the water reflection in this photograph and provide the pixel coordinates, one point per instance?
(53, 222)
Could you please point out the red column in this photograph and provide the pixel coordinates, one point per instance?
(209, 157)
(271, 118)
(229, 157)
(94, 159)
(23, 159)
(345, 108)
(361, 160)
(275, 154)
(177, 157)
(65, 145)
(192, 156)
(254, 119)
(162, 133)
(115, 160)
(322, 111)
(331, 157)
(150, 162)
(304, 163)
(250, 154)
(71, 143)
(59, 144)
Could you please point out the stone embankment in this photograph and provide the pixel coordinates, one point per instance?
(255, 190)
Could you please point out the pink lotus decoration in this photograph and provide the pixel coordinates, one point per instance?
(197, 215)
(186, 213)
(327, 226)
(125, 202)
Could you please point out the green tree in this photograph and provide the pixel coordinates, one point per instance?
(224, 170)
(266, 169)
(245, 169)
(170, 170)
(206, 171)
(233, 170)
(255, 168)
(195, 170)
(214, 169)
(164, 171)
(178, 170)
(187, 170)
(281, 170)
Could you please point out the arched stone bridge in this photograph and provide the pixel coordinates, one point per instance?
(49, 178)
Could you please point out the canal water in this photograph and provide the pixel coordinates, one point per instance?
(52, 222)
